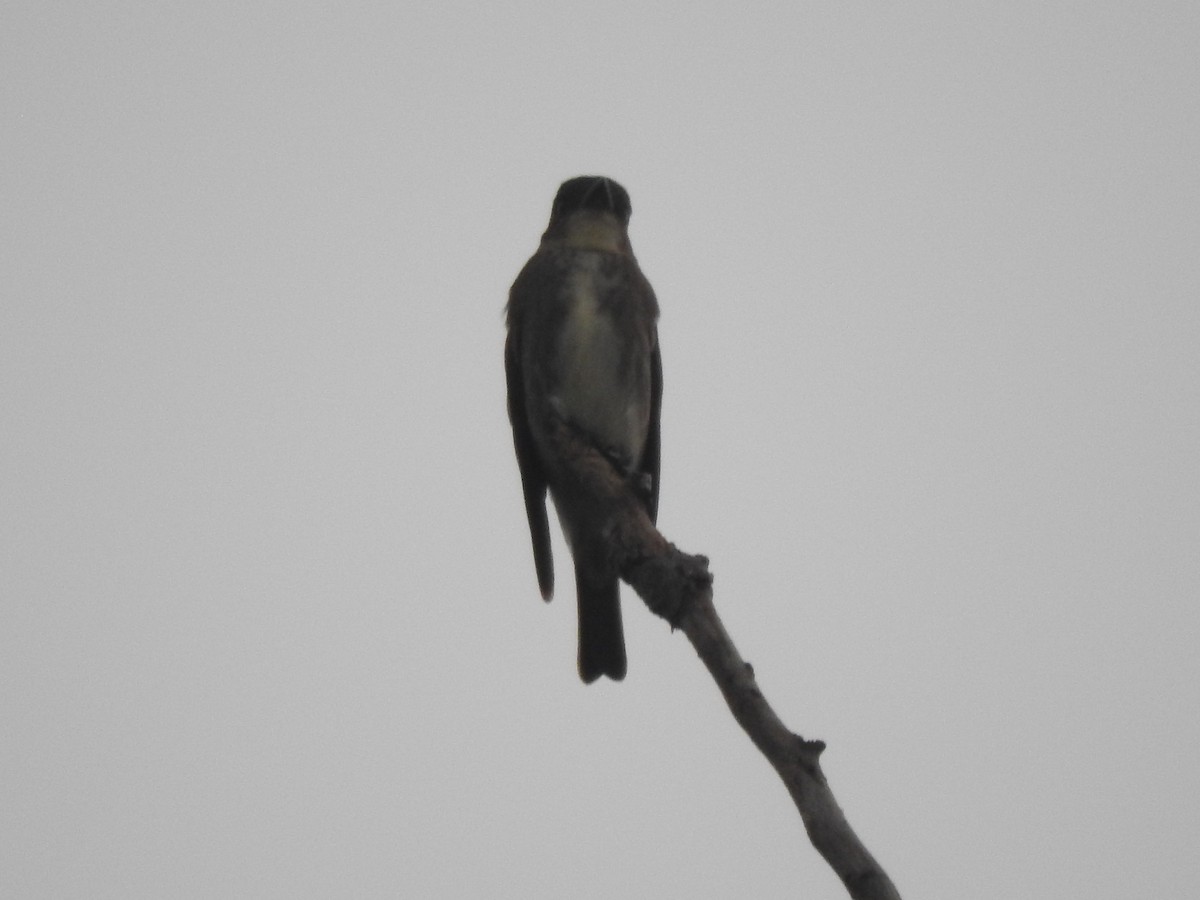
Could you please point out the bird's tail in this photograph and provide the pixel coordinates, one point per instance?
(601, 637)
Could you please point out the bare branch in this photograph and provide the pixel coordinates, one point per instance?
(678, 587)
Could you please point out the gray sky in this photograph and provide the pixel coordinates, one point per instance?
(268, 618)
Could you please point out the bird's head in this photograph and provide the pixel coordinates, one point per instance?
(590, 212)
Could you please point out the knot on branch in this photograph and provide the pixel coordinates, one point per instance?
(809, 754)
(668, 581)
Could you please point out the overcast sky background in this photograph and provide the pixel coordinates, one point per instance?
(268, 618)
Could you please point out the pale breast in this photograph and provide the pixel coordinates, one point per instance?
(594, 389)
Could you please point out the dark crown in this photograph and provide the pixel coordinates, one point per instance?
(592, 192)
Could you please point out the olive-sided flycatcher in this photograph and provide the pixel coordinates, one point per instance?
(583, 348)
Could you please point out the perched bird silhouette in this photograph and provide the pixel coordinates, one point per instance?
(582, 349)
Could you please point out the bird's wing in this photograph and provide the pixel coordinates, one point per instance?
(651, 455)
(533, 479)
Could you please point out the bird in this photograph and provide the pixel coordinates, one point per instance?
(582, 349)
